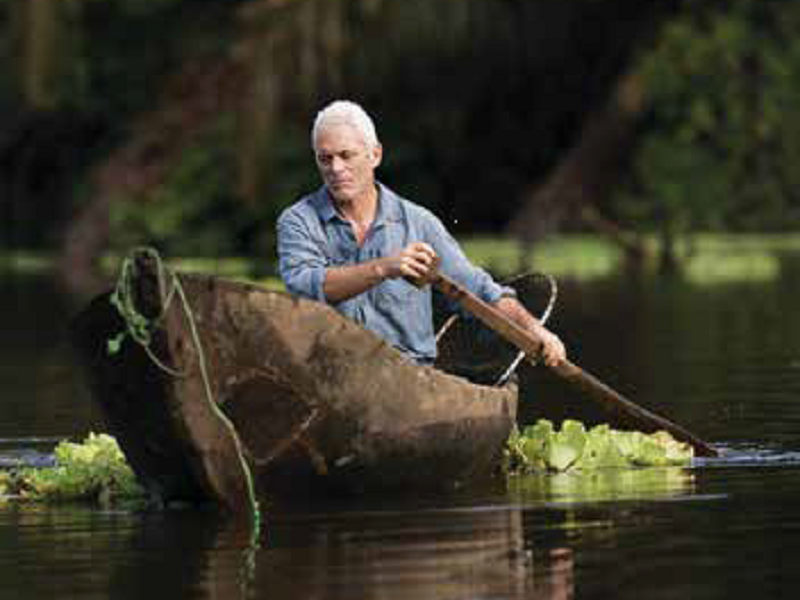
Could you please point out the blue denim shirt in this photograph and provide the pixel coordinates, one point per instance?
(313, 237)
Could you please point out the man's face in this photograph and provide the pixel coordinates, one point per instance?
(345, 162)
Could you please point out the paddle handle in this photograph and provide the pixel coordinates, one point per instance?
(630, 413)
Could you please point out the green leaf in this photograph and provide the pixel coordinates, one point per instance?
(541, 448)
(94, 470)
(114, 345)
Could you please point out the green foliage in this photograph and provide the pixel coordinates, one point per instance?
(193, 212)
(5, 484)
(598, 485)
(95, 470)
(540, 447)
(723, 143)
(197, 210)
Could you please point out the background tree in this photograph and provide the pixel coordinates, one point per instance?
(720, 147)
(184, 123)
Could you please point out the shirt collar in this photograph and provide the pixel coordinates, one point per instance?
(324, 205)
(388, 205)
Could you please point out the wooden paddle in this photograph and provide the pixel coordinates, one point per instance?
(624, 410)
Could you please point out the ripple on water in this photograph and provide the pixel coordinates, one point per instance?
(751, 455)
(27, 452)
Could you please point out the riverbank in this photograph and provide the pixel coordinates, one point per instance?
(704, 258)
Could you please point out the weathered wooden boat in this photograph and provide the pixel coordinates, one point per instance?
(234, 390)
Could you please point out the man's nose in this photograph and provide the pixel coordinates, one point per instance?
(337, 164)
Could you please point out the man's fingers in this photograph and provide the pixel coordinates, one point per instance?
(414, 267)
(553, 351)
(422, 247)
(418, 255)
(415, 261)
(422, 252)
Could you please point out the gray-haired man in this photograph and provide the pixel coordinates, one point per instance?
(353, 242)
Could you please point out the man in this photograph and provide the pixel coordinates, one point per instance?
(353, 243)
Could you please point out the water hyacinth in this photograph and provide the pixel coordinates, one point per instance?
(95, 470)
(5, 485)
(540, 447)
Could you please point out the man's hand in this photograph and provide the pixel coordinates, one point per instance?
(553, 350)
(412, 262)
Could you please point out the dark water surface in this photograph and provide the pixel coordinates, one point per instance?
(722, 359)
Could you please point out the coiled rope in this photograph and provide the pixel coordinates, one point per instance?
(140, 329)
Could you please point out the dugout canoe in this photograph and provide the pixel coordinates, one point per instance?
(235, 388)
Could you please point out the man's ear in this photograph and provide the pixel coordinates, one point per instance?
(377, 156)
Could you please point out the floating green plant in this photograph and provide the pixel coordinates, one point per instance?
(540, 448)
(5, 485)
(95, 470)
(601, 485)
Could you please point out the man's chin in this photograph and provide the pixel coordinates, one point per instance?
(341, 194)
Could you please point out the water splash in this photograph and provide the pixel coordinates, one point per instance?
(22, 452)
(751, 455)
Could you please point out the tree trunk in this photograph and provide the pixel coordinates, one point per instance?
(194, 99)
(292, 50)
(586, 175)
(257, 115)
(47, 51)
(39, 54)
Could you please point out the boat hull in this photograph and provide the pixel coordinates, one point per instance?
(309, 401)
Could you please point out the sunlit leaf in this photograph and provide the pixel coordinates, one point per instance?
(542, 448)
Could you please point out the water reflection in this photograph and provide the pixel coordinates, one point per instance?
(40, 387)
(602, 485)
(417, 554)
(431, 554)
(50, 553)
(73, 552)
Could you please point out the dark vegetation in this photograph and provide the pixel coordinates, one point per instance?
(184, 123)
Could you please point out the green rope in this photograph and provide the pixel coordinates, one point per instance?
(140, 329)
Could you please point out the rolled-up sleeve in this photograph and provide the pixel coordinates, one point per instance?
(301, 261)
(458, 267)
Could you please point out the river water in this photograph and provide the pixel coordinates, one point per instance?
(721, 358)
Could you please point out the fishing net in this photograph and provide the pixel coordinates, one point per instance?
(469, 349)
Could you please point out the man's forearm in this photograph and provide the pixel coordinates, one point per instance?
(553, 350)
(342, 283)
(514, 310)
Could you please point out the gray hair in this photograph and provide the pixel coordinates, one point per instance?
(345, 112)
